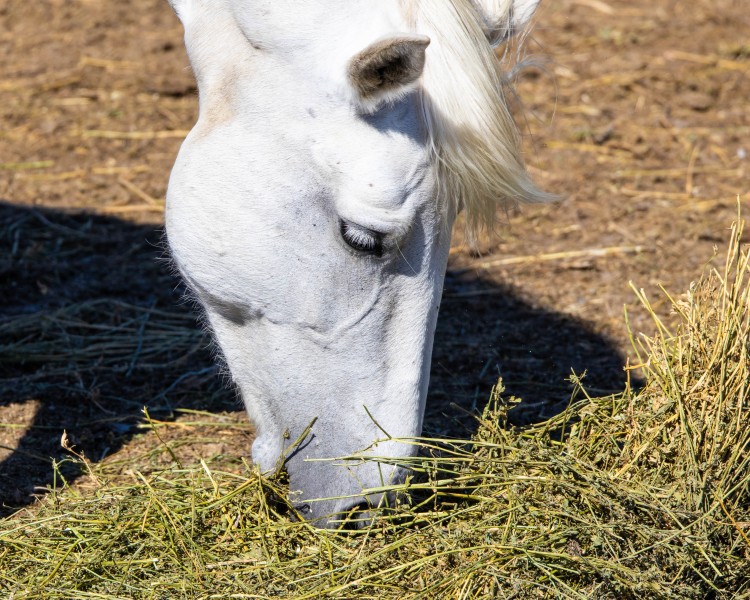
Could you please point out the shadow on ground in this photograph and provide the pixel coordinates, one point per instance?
(93, 328)
(486, 332)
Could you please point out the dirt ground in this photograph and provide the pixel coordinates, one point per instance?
(635, 112)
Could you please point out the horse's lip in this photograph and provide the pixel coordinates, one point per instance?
(356, 516)
(350, 513)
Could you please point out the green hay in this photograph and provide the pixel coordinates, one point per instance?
(639, 495)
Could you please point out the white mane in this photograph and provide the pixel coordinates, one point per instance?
(473, 135)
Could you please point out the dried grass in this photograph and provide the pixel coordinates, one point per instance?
(640, 495)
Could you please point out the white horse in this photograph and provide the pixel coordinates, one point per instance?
(310, 211)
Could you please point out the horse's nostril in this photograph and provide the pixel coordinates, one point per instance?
(303, 509)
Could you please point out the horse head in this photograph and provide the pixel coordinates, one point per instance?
(310, 213)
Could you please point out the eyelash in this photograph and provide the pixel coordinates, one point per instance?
(362, 240)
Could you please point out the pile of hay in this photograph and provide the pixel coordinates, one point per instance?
(641, 495)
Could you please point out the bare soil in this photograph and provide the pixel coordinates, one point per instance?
(635, 112)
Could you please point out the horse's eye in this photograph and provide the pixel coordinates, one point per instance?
(362, 240)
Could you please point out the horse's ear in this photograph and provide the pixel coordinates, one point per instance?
(387, 69)
(505, 18)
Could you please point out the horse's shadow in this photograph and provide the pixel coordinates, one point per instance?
(93, 328)
(486, 332)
